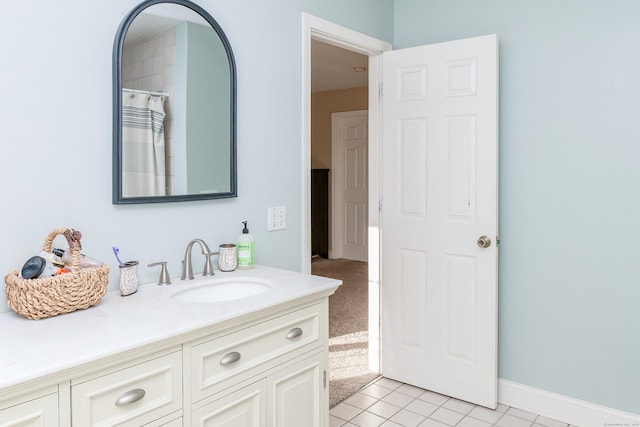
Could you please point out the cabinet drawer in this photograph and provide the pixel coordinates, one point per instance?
(232, 358)
(130, 396)
(42, 411)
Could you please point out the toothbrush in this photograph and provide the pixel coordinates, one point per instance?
(115, 252)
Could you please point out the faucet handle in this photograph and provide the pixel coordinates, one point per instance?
(164, 274)
(208, 267)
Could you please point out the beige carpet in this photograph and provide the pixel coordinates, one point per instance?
(348, 327)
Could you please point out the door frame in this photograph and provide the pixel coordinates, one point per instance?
(336, 225)
(345, 38)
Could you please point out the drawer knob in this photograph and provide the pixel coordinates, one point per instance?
(230, 358)
(131, 396)
(294, 333)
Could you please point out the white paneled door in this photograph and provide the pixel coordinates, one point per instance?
(350, 193)
(439, 218)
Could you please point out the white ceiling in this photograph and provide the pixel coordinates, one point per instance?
(332, 68)
(160, 17)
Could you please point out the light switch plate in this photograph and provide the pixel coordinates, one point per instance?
(276, 218)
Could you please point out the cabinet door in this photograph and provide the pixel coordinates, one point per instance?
(34, 413)
(243, 408)
(298, 394)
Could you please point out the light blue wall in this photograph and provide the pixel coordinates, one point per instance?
(569, 185)
(56, 131)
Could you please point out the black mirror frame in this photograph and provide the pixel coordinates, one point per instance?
(117, 198)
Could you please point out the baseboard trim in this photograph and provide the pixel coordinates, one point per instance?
(562, 408)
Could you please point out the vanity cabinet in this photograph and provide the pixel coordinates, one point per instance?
(291, 395)
(267, 374)
(263, 368)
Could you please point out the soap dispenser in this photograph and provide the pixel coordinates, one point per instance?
(245, 249)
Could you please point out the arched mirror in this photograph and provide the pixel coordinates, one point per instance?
(174, 111)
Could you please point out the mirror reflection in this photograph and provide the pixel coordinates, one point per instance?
(174, 78)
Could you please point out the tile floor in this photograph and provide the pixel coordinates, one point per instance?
(388, 403)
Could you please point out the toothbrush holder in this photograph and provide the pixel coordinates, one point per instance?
(227, 259)
(128, 280)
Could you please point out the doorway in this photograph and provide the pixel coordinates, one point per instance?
(314, 28)
(332, 36)
(339, 87)
(464, 71)
(339, 103)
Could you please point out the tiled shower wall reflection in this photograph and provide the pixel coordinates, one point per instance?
(147, 64)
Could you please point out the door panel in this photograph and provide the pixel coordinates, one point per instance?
(351, 193)
(297, 394)
(243, 408)
(439, 186)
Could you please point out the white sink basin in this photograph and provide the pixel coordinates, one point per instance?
(217, 290)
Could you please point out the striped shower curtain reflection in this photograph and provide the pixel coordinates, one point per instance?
(143, 145)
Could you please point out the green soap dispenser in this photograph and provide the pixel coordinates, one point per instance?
(245, 249)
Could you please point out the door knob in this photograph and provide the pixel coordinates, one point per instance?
(484, 242)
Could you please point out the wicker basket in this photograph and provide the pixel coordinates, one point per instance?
(79, 289)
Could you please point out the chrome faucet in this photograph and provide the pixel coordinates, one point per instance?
(187, 269)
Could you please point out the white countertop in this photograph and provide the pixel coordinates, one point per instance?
(31, 349)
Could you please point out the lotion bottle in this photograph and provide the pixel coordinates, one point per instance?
(245, 249)
(85, 261)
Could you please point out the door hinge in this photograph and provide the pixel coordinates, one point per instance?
(380, 205)
(324, 378)
(497, 240)
(380, 91)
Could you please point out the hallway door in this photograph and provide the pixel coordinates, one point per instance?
(349, 149)
(440, 194)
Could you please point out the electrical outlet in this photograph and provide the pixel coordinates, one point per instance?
(276, 218)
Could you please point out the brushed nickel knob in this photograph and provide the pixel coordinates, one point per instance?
(230, 358)
(294, 333)
(484, 242)
(130, 397)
